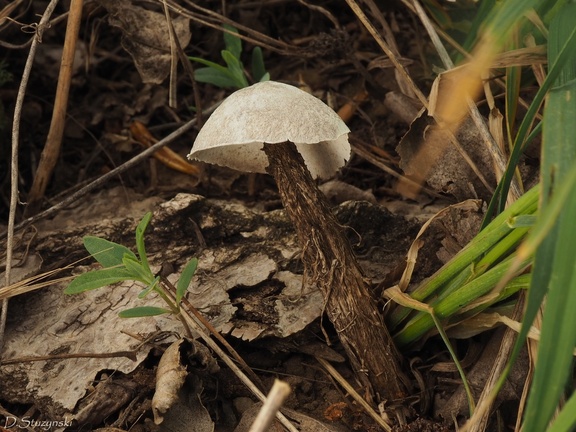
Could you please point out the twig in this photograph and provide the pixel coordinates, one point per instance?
(53, 144)
(280, 391)
(403, 73)
(29, 359)
(42, 25)
(186, 63)
(370, 157)
(210, 18)
(116, 171)
(434, 38)
(359, 399)
(26, 44)
(190, 309)
(200, 325)
(230, 363)
(172, 97)
(405, 87)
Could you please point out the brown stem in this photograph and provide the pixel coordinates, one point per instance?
(51, 150)
(330, 263)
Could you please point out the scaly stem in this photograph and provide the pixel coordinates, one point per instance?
(330, 263)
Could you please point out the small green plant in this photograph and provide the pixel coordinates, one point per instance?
(233, 74)
(121, 264)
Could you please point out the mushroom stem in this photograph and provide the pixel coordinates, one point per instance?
(330, 263)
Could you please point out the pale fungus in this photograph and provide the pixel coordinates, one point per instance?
(279, 129)
(273, 113)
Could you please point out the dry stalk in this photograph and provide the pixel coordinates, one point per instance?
(279, 392)
(53, 144)
(42, 25)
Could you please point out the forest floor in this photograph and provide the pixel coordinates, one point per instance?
(232, 221)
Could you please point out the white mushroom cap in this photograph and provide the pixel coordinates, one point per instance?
(273, 112)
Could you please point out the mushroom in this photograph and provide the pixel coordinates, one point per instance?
(279, 129)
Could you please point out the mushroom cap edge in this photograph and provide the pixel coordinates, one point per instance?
(273, 112)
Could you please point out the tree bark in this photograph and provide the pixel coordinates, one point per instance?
(330, 263)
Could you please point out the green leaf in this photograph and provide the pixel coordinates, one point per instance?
(265, 77)
(185, 279)
(210, 65)
(232, 42)
(140, 230)
(258, 69)
(215, 77)
(143, 311)
(235, 68)
(97, 279)
(107, 253)
(137, 270)
(214, 74)
(150, 286)
(512, 95)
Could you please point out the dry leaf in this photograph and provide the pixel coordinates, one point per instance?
(181, 358)
(145, 36)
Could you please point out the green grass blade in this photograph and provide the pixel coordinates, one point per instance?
(566, 420)
(566, 54)
(513, 79)
(549, 8)
(555, 266)
(97, 279)
(450, 305)
(521, 282)
(524, 221)
(465, 383)
(490, 236)
(504, 16)
(549, 215)
(107, 253)
(558, 336)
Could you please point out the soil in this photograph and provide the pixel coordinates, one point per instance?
(227, 217)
